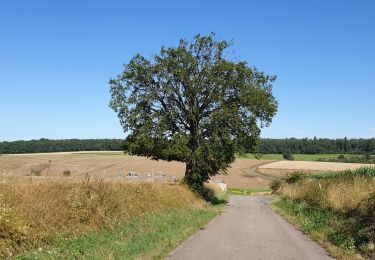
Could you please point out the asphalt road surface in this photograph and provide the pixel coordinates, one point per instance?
(249, 229)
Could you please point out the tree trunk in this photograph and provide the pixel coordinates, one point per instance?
(191, 162)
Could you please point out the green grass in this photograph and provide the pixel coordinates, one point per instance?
(327, 228)
(152, 236)
(297, 157)
(273, 157)
(368, 172)
(238, 191)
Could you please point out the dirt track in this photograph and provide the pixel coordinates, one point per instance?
(249, 229)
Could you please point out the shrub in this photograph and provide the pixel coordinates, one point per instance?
(341, 157)
(293, 177)
(367, 172)
(287, 155)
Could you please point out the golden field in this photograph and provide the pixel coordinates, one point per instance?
(114, 166)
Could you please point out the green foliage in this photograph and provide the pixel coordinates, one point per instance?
(313, 220)
(366, 158)
(287, 155)
(361, 172)
(338, 207)
(350, 234)
(191, 104)
(67, 145)
(317, 146)
(297, 157)
(270, 148)
(293, 177)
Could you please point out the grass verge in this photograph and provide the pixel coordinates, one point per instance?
(151, 237)
(70, 216)
(336, 209)
(323, 226)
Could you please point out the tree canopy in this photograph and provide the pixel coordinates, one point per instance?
(192, 104)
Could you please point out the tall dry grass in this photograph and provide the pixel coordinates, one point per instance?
(340, 195)
(33, 215)
(348, 197)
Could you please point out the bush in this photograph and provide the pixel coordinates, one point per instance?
(293, 177)
(287, 155)
(341, 157)
(366, 172)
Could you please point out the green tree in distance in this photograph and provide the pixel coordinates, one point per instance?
(192, 104)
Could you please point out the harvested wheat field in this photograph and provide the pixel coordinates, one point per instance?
(115, 166)
(95, 164)
(281, 167)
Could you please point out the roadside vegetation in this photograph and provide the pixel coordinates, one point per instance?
(336, 209)
(98, 219)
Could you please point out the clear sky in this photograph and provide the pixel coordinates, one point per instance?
(56, 58)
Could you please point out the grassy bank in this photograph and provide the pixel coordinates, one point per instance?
(151, 237)
(97, 219)
(336, 209)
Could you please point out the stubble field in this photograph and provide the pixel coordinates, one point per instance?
(115, 166)
(244, 173)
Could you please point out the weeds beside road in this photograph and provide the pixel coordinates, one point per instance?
(336, 209)
(97, 219)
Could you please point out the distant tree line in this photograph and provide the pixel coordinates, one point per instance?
(66, 145)
(317, 146)
(266, 146)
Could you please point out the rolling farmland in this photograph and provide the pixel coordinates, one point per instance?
(114, 166)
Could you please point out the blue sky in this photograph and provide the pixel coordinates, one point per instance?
(56, 58)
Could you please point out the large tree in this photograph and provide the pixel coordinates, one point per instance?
(192, 104)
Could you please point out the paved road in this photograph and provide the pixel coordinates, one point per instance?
(249, 229)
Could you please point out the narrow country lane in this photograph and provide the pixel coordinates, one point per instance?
(249, 229)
